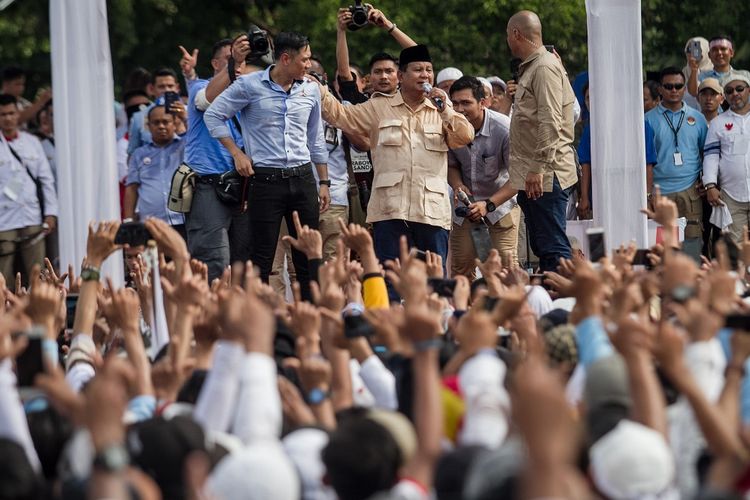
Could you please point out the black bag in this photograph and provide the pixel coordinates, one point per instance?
(37, 182)
(232, 190)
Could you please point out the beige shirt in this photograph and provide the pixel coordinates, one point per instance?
(409, 150)
(541, 128)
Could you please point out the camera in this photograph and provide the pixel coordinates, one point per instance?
(259, 45)
(360, 15)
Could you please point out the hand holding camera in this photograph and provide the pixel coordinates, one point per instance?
(360, 15)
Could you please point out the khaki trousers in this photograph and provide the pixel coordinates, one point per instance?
(330, 230)
(504, 236)
(20, 241)
(740, 216)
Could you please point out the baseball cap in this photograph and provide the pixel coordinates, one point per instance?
(742, 76)
(711, 83)
(449, 73)
(632, 461)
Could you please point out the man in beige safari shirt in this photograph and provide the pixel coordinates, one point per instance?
(542, 165)
(410, 133)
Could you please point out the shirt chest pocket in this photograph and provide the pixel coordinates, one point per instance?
(389, 133)
(739, 144)
(433, 137)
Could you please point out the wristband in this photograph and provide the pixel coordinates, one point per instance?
(317, 396)
(325, 182)
(90, 273)
(426, 345)
(393, 27)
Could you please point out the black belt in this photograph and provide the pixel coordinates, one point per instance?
(284, 173)
(209, 179)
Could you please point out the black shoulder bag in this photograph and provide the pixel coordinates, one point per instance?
(37, 182)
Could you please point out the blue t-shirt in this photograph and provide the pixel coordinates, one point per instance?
(584, 146)
(691, 134)
(204, 154)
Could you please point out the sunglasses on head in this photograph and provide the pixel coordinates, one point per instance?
(732, 90)
(673, 86)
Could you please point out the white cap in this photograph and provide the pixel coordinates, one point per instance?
(304, 447)
(632, 461)
(448, 74)
(487, 85)
(261, 471)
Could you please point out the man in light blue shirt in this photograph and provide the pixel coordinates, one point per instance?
(164, 80)
(150, 171)
(679, 134)
(282, 130)
(217, 235)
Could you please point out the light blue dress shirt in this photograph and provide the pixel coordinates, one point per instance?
(280, 129)
(152, 167)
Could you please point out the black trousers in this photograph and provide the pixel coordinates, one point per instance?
(274, 194)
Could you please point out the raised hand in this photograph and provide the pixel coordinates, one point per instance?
(188, 62)
(101, 242)
(308, 240)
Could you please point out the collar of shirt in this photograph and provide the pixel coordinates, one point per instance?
(485, 129)
(663, 110)
(13, 138)
(398, 100)
(176, 138)
(296, 84)
(530, 60)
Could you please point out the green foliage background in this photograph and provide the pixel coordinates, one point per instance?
(469, 34)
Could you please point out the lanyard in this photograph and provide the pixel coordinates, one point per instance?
(671, 126)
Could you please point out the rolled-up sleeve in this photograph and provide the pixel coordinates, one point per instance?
(316, 142)
(224, 107)
(548, 90)
(458, 131)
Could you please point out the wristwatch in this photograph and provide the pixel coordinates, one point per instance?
(90, 273)
(490, 206)
(325, 182)
(317, 396)
(113, 458)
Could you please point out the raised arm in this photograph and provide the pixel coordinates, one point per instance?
(378, 19)
(221, 80)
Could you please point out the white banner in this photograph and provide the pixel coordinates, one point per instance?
(618, 156)
(84, 126)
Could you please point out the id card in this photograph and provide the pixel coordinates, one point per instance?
(678, 159)
(331, 136)
(360, 162)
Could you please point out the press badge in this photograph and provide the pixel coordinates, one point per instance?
(331, 136)
(678, 159)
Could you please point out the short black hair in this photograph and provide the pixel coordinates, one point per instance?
(12, 73)
(289, 42)
(224, 42)
(162, 72)
(155, 107)
(669, 71)
(6, 99)
(721, 37)
(382, 56)
(469, 82)
(653, 89)
(133, 93)
(361, 458)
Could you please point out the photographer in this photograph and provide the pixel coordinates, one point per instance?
(216, 235)
(283, 135)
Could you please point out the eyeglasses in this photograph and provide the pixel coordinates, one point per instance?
(731, 90)
(673, 86)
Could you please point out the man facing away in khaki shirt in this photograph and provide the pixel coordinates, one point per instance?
(542, 162)
(409, 137)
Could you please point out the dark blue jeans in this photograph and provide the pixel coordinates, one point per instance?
(387, 234)
(545, 221)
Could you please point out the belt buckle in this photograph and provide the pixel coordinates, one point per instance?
(285, 173)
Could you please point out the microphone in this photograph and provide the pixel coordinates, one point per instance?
(427, 88)
(463, 198)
